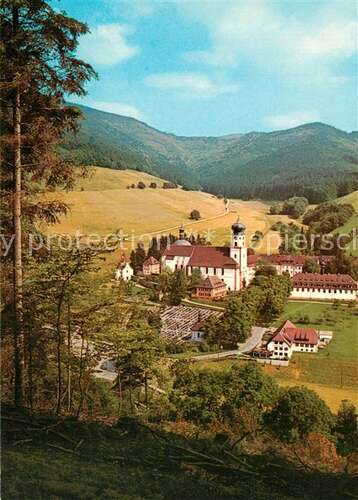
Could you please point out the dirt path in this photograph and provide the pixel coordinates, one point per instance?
(191, 223)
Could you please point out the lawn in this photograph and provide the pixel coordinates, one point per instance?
(351, 198)
(333, 371)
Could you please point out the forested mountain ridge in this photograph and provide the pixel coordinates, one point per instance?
(313, 160)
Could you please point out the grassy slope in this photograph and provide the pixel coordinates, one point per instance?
(111, 463)
(102, 205)
(353, 221)
(333, 371)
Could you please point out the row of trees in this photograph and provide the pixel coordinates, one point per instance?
(53, 305)
(247, 401)
(152, 185)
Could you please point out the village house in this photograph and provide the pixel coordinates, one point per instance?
(197, 330)
(314, 286)
(211, 287)
(151, 266)
(288, 338)
(124, 270)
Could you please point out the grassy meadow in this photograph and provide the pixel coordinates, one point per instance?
(102, 204)
(353, 221)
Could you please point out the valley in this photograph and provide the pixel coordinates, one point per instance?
(254, 165)
(102, 204)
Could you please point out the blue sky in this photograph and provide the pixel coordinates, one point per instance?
(220, 67)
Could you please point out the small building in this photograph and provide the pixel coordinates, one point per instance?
(289, 338)
(124, 270)
(212, 288)
(151, 266)
(197, 330)
(325, 337)
(324, 287)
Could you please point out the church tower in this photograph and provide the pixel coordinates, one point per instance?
(238, 249)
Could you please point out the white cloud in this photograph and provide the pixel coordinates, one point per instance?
(291, 120)
(334, 40)
(259, 32)
(117, 108)
(189, 84)
(107, 45)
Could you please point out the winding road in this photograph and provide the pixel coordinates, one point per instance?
(244, 348)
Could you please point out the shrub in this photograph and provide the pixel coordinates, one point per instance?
(276, 209)
(141, 185)
(169, 185)
(195, 215)
(298, 413)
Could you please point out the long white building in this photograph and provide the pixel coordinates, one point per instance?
(313, 286)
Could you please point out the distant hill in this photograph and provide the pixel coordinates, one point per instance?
(313, 160)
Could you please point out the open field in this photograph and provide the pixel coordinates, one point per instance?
(351, 198)
(333, 371)
(102, 205)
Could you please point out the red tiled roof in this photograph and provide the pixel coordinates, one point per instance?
(280, 260)
(178, 251)
(151, 261)
(203, 256)
(211, 282)
(122, 263)
(207, 256)
(316, 280)
(289, 334)
(197, 327)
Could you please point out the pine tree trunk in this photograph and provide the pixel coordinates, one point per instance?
(19, 340)
(69, 398)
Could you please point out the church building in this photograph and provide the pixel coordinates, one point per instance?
(229, 264)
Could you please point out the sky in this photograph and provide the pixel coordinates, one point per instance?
(208, 67)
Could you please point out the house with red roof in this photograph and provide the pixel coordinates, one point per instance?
(151, 266)
(124, 270)
(289, 338)
(212, 288)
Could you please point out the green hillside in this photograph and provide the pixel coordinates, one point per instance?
(352, 223)
(314, 160)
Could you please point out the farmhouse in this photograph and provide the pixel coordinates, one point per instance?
(124, 270)
(151, 266)
(211, 287)
(324, 286)
(288, 338)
